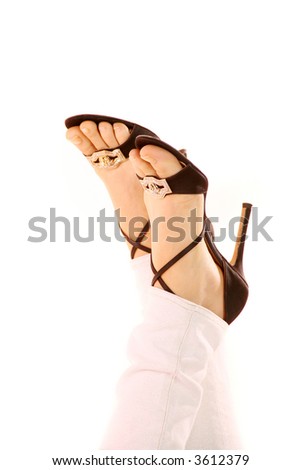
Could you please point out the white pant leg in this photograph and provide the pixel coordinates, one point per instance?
(159, 395)
(143, 276)
(215, 426)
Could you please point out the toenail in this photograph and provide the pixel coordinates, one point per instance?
(85, 130)
(77, 140)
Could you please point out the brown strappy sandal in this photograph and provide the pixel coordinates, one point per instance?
(190, 180)
(111, 158)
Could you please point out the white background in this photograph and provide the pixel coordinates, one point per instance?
(221, 78)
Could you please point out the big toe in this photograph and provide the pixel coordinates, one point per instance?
(141, 167)
(164, 163)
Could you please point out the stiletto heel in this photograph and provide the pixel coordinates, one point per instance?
(237, 257)
(190, 180)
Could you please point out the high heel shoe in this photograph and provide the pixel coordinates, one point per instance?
(111, 158)
(190, 180)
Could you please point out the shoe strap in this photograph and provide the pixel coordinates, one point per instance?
(128, 145)
(189, 180)
(137, 243)
(158, 274)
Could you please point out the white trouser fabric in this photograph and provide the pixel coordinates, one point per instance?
(172, 396)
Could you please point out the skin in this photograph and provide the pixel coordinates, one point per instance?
(194, 277)
(88, 137)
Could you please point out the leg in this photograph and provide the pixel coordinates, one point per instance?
(195, 276)
(160, 394)
(166, 363)
(195, 279)
(215, 426)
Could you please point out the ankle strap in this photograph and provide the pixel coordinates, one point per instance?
(158, 274)
(137, 243)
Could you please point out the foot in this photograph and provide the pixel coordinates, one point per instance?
(194, 277)
(121, 182)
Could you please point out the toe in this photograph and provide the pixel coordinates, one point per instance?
(121, 132)
(184, 152)
(90, 130)
(163, 162)
(75, 136)
(107, 134)
(141, 167)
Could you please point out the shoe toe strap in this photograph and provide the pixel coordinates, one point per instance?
(189, 180)
(129, 144)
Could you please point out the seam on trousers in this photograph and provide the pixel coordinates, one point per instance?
(172, 381)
